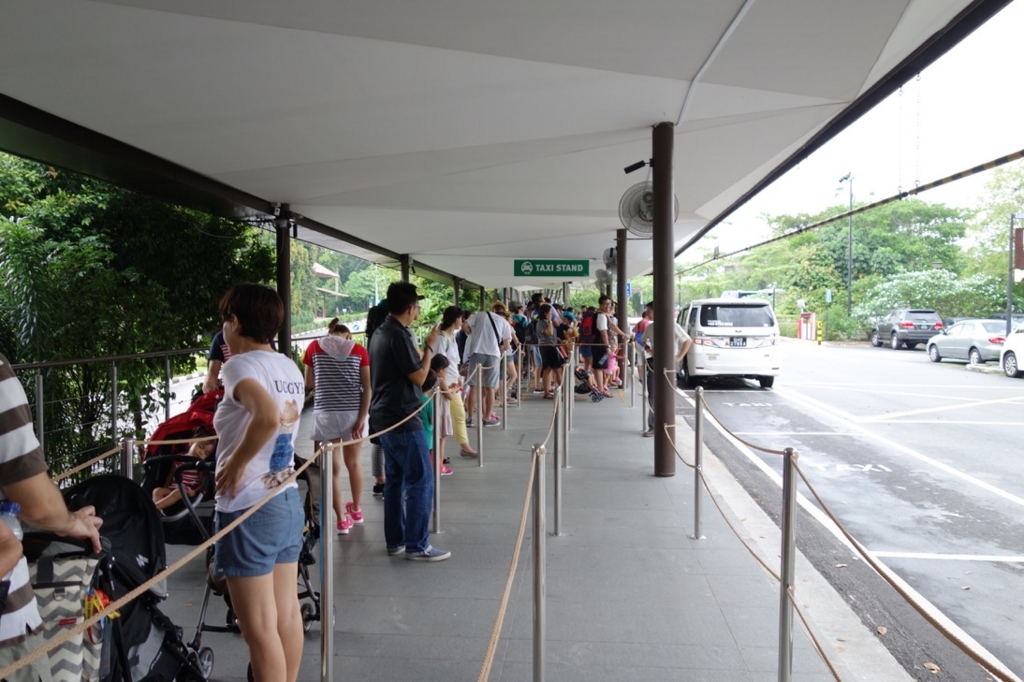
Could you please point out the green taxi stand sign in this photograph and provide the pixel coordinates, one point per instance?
(546, 267)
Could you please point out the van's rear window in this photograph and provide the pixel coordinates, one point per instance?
(725, 315)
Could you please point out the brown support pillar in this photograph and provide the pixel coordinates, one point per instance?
(663, 249)
(406, 263)
(483, 298)
(282, 223)
(620, 282)
(456, 290)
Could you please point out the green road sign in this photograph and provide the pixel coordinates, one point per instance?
(551, 268)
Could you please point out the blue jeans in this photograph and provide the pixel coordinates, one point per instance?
(408, 475)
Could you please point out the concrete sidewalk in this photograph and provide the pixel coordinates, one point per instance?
(630, 595)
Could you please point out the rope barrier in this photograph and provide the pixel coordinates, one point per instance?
(86, 465)
(492, 644)
(810, 633)
(179, 441)
(993, 667)
(180, 563)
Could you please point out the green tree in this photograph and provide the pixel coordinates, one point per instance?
(93, 271)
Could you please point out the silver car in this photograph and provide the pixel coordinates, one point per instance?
(976, 341)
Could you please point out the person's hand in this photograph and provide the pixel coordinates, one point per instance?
(85, 525)
(210, 385)
(432, 336)
(357, 430)
(228, 477)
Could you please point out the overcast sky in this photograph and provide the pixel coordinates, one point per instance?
(965, 109)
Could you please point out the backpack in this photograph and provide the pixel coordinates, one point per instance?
(588, 328)
(520, 327)
(530, 333)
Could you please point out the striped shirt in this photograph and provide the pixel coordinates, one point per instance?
(20, 459)
(337, 381)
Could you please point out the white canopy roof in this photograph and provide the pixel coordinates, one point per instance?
(465, 133)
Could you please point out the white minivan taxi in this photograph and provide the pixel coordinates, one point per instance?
(732, 337)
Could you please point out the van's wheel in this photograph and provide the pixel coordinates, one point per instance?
(1010, 366)
(895, 342)
(766, 382)
(689, 381)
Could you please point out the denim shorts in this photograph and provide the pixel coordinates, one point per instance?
(273, 535)
(586, 351)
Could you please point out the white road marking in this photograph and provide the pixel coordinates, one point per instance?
(950, 557)
(813, 404)
(928, 410)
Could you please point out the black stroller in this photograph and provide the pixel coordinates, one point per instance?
(202, 525)
(141, 644)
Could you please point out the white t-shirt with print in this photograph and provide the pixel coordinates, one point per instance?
(601, 324)
(274, 462)
(450, 349)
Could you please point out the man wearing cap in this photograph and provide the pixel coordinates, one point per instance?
(397, 370)
(683, 343)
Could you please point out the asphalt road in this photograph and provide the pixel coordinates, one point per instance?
(921, 463)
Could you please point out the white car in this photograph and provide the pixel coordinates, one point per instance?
(731, 338)
(1012, 356)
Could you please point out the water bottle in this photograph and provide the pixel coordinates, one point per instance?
(9, 514)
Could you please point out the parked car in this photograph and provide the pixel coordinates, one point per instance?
(976, 341)
(1012, 356)
(906, 327)
(1015, 319)
(732, 337)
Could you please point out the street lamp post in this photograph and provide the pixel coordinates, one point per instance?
(1009, 278)
(848, 178)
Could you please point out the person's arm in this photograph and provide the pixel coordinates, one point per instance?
(263, 425)
(420, 375)
(603, 333)
(212, 374)
(42, 506)
(364, 402)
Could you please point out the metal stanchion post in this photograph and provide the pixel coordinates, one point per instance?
(438, 460)
(630, 371)
(113, 403)
(40, 411)
(698, 459)
(167, 387)
(326, 564)
(557, 462)
(127, 457)
(503, 387)
(788, 566)
(539, 564)
(519, 376)
(479, 415)
(569, 380)
(643, 390)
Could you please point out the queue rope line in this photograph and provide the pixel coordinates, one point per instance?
(492, 644)
(991, 666)
(754, 446)
(177, 565)
(86, 465)
(791, 596)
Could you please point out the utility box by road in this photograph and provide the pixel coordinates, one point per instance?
(806, 326)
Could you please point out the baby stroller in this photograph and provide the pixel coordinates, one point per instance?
(141, 644)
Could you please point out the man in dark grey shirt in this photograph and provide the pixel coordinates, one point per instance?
(397, 370)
